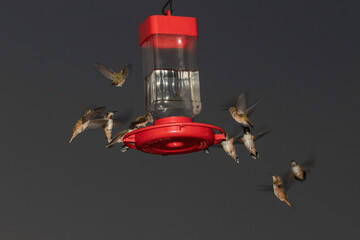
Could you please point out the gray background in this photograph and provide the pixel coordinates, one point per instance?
(301, 57)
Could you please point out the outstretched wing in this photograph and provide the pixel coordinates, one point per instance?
(97, 123)
(218, 145)
(241, 103)
(92, 114)
(260, 134)
(288, 179)
(105, 71)
(308, 164)
(238, 139)
(125, 71)
(250, 109)
(267, 188)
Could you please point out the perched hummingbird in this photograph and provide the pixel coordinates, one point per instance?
(117, 78)
(119, 138)
(240, 113)
(249, 141)
(299, 171)
(87, 121)
(279, 189)
(229, 147)
(142, 121)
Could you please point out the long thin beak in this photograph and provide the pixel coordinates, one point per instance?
(225, 109)
(270, 173)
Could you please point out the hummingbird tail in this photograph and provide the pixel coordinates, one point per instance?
(289, 203)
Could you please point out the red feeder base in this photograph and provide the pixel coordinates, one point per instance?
(174, 135)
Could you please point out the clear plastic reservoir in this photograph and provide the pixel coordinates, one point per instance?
(172, 86)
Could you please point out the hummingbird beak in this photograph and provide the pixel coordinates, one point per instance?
(225, 109)
(270, 173)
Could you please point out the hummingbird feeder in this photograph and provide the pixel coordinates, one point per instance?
(172, 89)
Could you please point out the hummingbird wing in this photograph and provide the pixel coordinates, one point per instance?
(268, 188)
(125, 71)
(97, 123)
(241, 103)
(138, 120)
(260, 134)
(123, 118)
(105, 71)
(116, 139)
(118, 123)
(92, 114)
(238, 140)
(308, 164)
(288, 179)
(250, 109)
(218, 145)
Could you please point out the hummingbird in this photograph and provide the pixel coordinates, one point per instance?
(240, 113)
(229, 147)
(299, 171)
(119, 138)
(249, 141)
(142, 121)
(117, 78)
(87, 121)
(109, 116)
(111, 123)
(279, 190)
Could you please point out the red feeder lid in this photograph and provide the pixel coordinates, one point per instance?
(173, 25)
(174, 135)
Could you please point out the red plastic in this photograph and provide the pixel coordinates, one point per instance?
(174, 135)
(169, 41)
(170, 25)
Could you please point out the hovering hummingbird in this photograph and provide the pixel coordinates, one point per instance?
(229, 147)
(119, 138)
(240, 113)
(299, 171)
(109, 116)
(117, 78)
(249, 141)
(142, 121)
(87, 121)
(279, 190)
